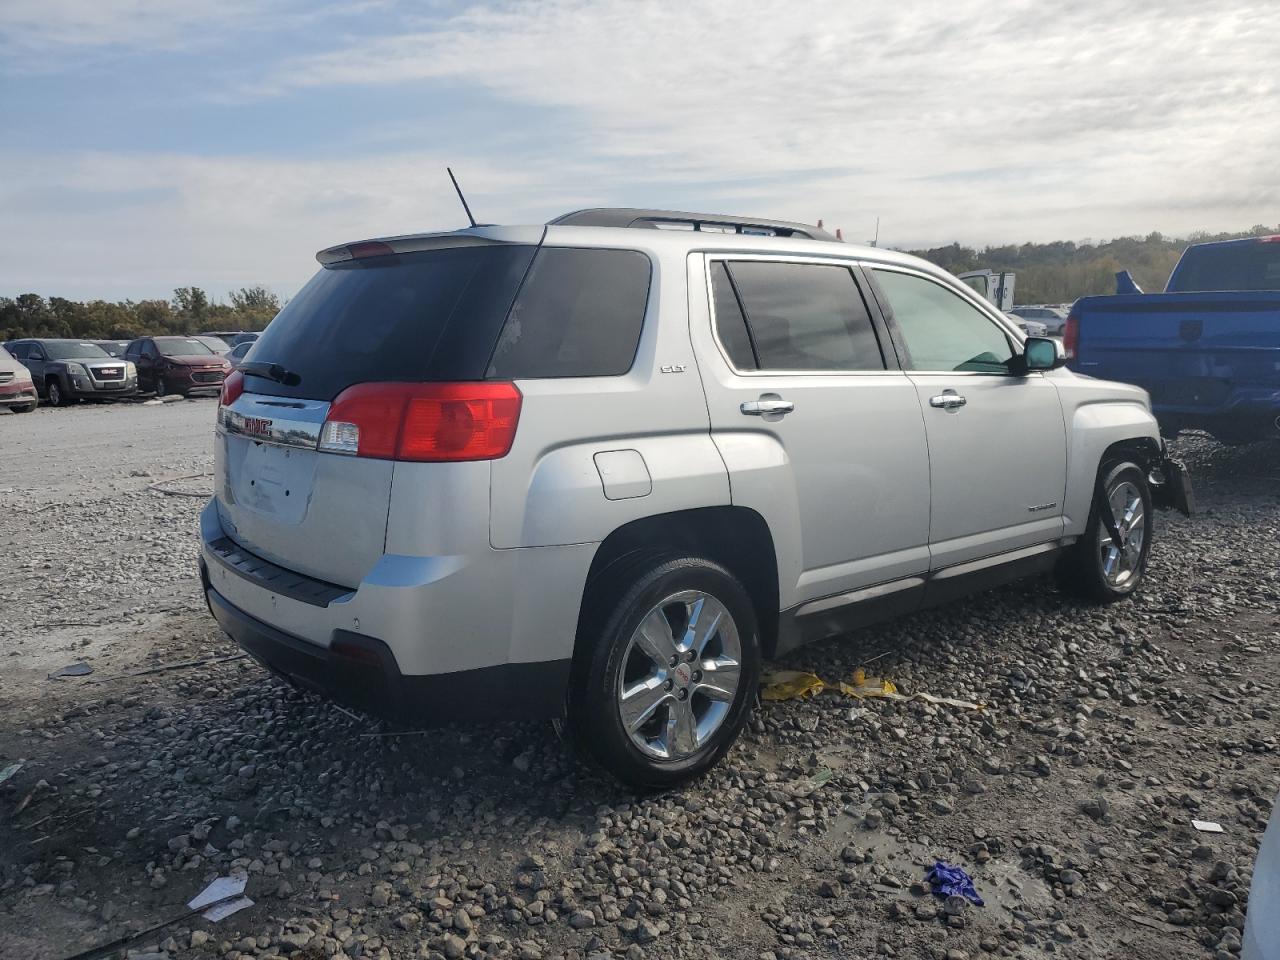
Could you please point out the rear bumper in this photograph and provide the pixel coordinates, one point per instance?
(362, 672)
(1247, 412)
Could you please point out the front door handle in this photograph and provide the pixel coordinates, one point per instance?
(948, 400)
(767, 406)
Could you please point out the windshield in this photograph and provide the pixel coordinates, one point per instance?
(183, 348)
(74, 350)
(1251, 265)
(426, 315)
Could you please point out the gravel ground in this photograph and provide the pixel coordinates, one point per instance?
(1069, 799)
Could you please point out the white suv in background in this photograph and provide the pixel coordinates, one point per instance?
(603, 468)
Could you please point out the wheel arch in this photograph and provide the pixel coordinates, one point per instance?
(737, 538)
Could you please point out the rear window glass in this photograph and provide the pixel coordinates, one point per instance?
(427, 315)
(1234, 266)
(579, 314)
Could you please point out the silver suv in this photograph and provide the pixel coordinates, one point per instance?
(605, 467)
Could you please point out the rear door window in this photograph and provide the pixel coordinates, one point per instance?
(579, 314)
(420, 316)
(805, 316)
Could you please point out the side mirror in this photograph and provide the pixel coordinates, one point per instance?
(1042, 353)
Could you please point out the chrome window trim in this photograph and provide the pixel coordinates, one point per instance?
(710, 257)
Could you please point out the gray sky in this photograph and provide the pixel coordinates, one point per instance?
(155, 143)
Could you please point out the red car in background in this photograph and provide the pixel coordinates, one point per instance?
(178, 365)
(17, 391)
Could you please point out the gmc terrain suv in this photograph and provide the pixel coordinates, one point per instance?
(603, 468)
(68, 370)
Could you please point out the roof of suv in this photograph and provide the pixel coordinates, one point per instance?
(618, 227)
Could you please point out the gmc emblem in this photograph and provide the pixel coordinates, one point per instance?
(257, 426)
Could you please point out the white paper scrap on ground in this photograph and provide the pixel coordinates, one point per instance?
(1207, 826)
(220, 889)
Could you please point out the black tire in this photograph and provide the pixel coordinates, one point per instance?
(57, 396)
(161, 389)
(1081, 570)
(25, 407)
(613, 610)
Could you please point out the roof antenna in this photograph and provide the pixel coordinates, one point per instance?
(460, 196)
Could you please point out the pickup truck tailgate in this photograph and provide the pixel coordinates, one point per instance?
(1189, 351)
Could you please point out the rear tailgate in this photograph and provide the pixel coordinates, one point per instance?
(390, 317)
(1190, 351)
(319, 514)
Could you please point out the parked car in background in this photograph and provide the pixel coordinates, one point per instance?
(179, 365)
(17, 389)
(1207, 350)
(232, 337)
(1052, 318)
(114, 347)
(238, 352)
(68, 370)
(1032, 328)
(603, 468)
(216, 344)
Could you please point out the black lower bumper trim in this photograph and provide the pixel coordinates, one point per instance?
(362, 672)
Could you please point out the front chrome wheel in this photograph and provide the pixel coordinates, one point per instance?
(1120, 564)
(679, 675)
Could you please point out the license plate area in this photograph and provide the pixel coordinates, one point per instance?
(271, 480)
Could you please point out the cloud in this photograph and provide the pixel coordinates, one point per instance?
(1101, 103)
(955, 120)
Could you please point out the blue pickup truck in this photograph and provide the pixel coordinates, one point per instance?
(1207, 349)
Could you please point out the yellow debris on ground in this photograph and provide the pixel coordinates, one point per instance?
(799, 685)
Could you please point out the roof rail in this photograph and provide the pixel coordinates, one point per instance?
(676, 220)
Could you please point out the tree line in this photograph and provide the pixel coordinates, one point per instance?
(1062, 271)
(190, 311)
(1056, 272)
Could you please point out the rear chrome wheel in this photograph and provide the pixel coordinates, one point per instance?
(679, 675)
(665, 669)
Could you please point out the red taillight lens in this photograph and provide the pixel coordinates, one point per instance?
(1071, 336)
(232, 387)
(423, 421)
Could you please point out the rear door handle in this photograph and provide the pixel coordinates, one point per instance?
(948, 400)
(767, 406)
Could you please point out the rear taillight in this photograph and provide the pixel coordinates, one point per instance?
(1071, 336)
(232, 387)
(423, 421)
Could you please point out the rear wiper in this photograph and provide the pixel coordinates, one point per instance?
(270, 371)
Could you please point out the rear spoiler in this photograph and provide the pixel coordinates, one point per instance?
(387, 246)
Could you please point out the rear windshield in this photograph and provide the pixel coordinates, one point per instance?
(428, 315)
(73, 350)
(1233, 266)
(183, 348)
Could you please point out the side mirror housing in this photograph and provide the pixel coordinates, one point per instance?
(1042, 353)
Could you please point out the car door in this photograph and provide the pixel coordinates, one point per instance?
(148, 359)
(37, 362)
(997, 443)
(821, 432)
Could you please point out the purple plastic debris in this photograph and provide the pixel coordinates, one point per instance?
(947, 880)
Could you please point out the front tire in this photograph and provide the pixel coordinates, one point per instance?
(24, 407)
(57, 397)
(670, 662)
(1094, 567)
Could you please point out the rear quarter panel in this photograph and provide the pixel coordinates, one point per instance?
(548, 490)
